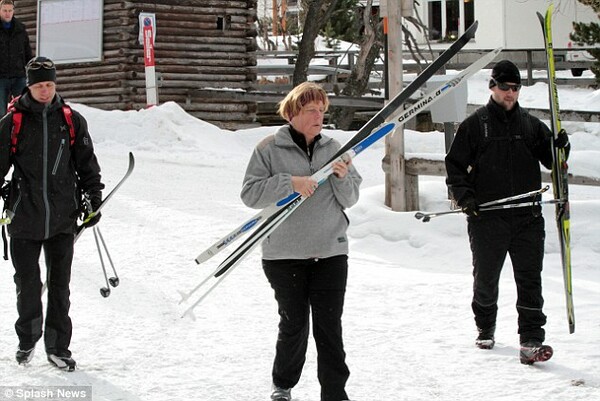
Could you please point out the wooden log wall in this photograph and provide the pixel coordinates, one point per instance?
(200, 44)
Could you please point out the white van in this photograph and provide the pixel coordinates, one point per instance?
(577, 56)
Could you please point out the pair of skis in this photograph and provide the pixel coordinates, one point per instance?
(560, 173)
(377, 128)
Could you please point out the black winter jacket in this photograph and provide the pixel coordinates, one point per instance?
(506, 162)
(15, 50)
(49, 174)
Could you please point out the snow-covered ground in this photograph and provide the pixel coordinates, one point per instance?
(409, 331)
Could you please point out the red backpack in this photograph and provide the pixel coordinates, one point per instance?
(17, 119)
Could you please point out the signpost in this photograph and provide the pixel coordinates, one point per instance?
(147, 36)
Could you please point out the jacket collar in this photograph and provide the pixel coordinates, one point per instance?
(499, 111)
(27, 103)
(283, 137)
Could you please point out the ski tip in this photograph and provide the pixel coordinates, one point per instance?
(189, 313)
(183, 295)
(470, 32)
(541, 18)
(131, 158)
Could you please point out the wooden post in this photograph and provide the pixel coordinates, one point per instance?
(449, 131)
(529, 68)
(275, 16)
(395, 185)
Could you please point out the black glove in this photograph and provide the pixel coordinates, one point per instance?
(470, 207)
(92, 201)
(562, 140)
(4, 190)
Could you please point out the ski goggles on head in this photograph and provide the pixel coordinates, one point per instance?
(36, 65)
(506, 87)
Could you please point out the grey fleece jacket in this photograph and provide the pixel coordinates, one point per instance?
(317, 229)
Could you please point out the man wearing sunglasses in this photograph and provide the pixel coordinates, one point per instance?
(15, 52)
(497, 153)
(52, 166)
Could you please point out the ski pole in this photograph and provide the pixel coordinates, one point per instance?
(426, 217)
(104, 291)
(516, 197)
(114, 281)
(523, 204)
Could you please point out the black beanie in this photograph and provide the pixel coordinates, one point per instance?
(41, 74)
(506, 71)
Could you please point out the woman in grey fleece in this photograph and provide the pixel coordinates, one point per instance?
(305, 259)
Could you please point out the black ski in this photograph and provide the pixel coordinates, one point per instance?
(400, 99)
(108, 197)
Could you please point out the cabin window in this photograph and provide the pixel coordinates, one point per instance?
(445, 20)
(224, 23)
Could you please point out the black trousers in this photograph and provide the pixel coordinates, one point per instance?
(522, 237)
(25, 254)
(301, 286)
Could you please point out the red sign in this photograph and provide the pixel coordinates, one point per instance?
(148, 45)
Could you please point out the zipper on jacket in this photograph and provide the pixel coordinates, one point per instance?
(58, 156)
(310, 158)
(18, 201)
(45, 173)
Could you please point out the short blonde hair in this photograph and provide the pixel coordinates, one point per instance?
(299, 97)
(7, 3)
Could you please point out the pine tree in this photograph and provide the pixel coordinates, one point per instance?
(344, 23)
(589, 34)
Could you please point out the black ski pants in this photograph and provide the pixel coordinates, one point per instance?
(522, 237)
(25, 254)
(301, 286)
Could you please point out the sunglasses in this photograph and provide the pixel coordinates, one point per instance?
(36, 65)
(506, 87)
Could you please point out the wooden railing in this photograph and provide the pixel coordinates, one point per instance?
(526, 59)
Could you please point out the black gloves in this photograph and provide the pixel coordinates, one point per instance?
(4, 190)
(562, 139)
(470, 207)
(92, 200)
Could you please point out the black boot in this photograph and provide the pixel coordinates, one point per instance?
(534, 351)
(62, 361)
(281, 394)
(485, 339)
(24, 355)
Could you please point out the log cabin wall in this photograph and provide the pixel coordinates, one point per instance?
(200, 44)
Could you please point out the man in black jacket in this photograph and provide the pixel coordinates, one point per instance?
(497, 153)
(15, 52)
(52, 167)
